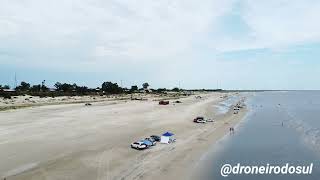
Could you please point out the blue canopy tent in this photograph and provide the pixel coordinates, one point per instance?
(166, 138)
(168, 134)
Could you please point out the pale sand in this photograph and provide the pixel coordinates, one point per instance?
(30, 101)
(74, 141)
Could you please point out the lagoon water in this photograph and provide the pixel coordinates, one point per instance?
(280, 128)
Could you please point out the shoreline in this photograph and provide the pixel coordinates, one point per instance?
(211, 148)
(97, 155)
(213, 151)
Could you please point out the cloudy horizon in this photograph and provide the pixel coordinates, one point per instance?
(229, 44)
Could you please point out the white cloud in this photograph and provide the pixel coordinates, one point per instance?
(149, 30)
(146, 37)
(284, 22)
(105, 31)
(274, 24)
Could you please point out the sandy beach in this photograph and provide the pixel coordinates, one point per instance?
(74, 141)
(17, 102)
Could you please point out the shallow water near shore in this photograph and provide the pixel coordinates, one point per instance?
(280, 128)
(224, 106)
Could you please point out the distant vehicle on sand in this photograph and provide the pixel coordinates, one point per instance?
(163, 102)
(156, 138)
(151, 140)
(140, 145)
(199, 119)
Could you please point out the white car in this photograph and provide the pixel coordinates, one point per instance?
(139, 145)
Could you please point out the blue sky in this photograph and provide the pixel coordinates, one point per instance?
(233, 44)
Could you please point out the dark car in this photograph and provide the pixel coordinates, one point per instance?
(163, 102)
(197, 119)
(156, 138)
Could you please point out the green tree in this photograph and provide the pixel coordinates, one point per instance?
(161, 90)
(35, 88)
(176, 89)
(23, 86)
(145, 85)
(134, 88)
(65, 87)
(82, 89)
(58, 85)
(111, 88)
(43, 87)
(6, 87)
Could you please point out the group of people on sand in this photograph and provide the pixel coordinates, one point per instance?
(231, 130)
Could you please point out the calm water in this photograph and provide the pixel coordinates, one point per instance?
(261, 138)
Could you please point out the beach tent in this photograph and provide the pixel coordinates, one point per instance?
(166, 137)
(168, 134)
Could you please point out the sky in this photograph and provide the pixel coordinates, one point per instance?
(229, 44)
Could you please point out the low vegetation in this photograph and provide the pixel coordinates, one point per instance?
(67, 89)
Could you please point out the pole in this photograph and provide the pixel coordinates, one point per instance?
(15, 80)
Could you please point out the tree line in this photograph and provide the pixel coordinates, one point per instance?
(67, 89)
(4, 87)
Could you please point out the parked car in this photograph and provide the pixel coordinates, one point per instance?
(153, 141)
(147, 142)
(140, 145)
(163, 102)
(156, 138)
(199, 119)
